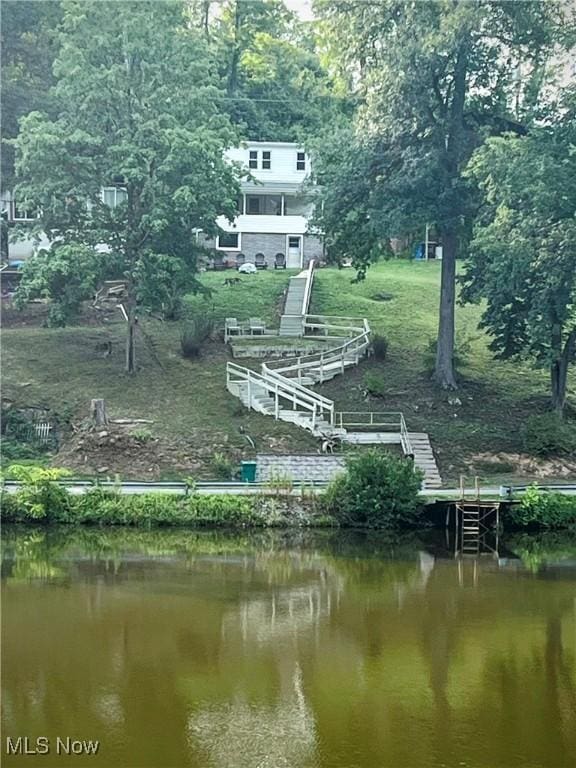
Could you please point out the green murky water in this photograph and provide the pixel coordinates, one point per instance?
(271, 650)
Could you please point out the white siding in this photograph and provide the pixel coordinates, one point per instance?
(295, 225)
(282, 166)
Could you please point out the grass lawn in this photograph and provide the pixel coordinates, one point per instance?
(61, 369)
(193, 415)
(496, 396)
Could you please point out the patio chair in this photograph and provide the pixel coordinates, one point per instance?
(231, 328)
(240, 259)
(260, 261)
(257, 327)
(279, 261)
(218, 261)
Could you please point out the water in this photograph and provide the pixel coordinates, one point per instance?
(272, 650)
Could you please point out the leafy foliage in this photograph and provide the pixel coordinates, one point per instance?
(378, 490)
(547, 435)
(435, 79)
(522, 257)
(68, 274)
(222, 466)
(379, 346)
(105, 507)
(40, 496)
(197, 329)
(138, 111)
(542, 509)
(375, 384)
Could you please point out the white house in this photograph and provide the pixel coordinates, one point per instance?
(272, 228)
(273, 224)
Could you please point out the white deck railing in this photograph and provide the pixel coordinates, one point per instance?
(282, 379)
(279, 388)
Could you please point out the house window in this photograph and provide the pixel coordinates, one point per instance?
(114, 196)
(19, 213)
(253, 202)
(266, 160)
(294, 243)
(253, 161)
(265, 205)
(300, 161)
(228, 241)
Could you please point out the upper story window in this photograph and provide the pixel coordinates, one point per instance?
(266, 160)
(20, 213)
(253, 159)
(300, 161)
(114, 196)
(264, 205)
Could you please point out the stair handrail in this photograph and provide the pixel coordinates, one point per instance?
(308, 287)
(290, 390)
(333, 354)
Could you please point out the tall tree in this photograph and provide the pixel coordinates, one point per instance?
(276, 86)
(522, 256)
(138, 102)
(435, 79)
(29, 46)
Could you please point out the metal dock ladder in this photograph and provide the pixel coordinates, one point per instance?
(476, 524)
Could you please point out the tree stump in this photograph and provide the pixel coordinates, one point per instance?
(98, 413)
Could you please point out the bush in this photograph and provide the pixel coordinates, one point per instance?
(542, 509)
(379, 347)
(195, 332)
(222, 466)
(109, 507)
(378, 490)
(39, 497)
(142, 434)
(374, 384)
(547, 435)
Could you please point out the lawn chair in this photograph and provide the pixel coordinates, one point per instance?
(279, 261)
(260, 261)
(257, 327)
(218, 261)
(240, 259)
(231, 328)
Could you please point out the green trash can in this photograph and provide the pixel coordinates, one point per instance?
(248, 471)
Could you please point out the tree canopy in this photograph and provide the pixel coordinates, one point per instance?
(138, 114)
(522, 258)
(434, 79)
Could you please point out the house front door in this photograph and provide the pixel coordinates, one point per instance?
(294, 259)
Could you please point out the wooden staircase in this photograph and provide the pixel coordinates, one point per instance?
(282, 388)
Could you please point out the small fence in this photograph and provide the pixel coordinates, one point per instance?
(376, 421)
(35, 429)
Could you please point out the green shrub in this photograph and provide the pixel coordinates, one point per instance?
(379, 346)
(547, 435)
(374, 384)
(222, 466)
(39, 497)
(142, 434)
(378, 490)
(195, 332)
(542, 509)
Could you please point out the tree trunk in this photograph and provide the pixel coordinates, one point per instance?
(444, 369)
(450, 226)
(98, 412)
(131, 342)
(559, 374)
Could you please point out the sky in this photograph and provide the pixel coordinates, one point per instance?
(302, 7)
